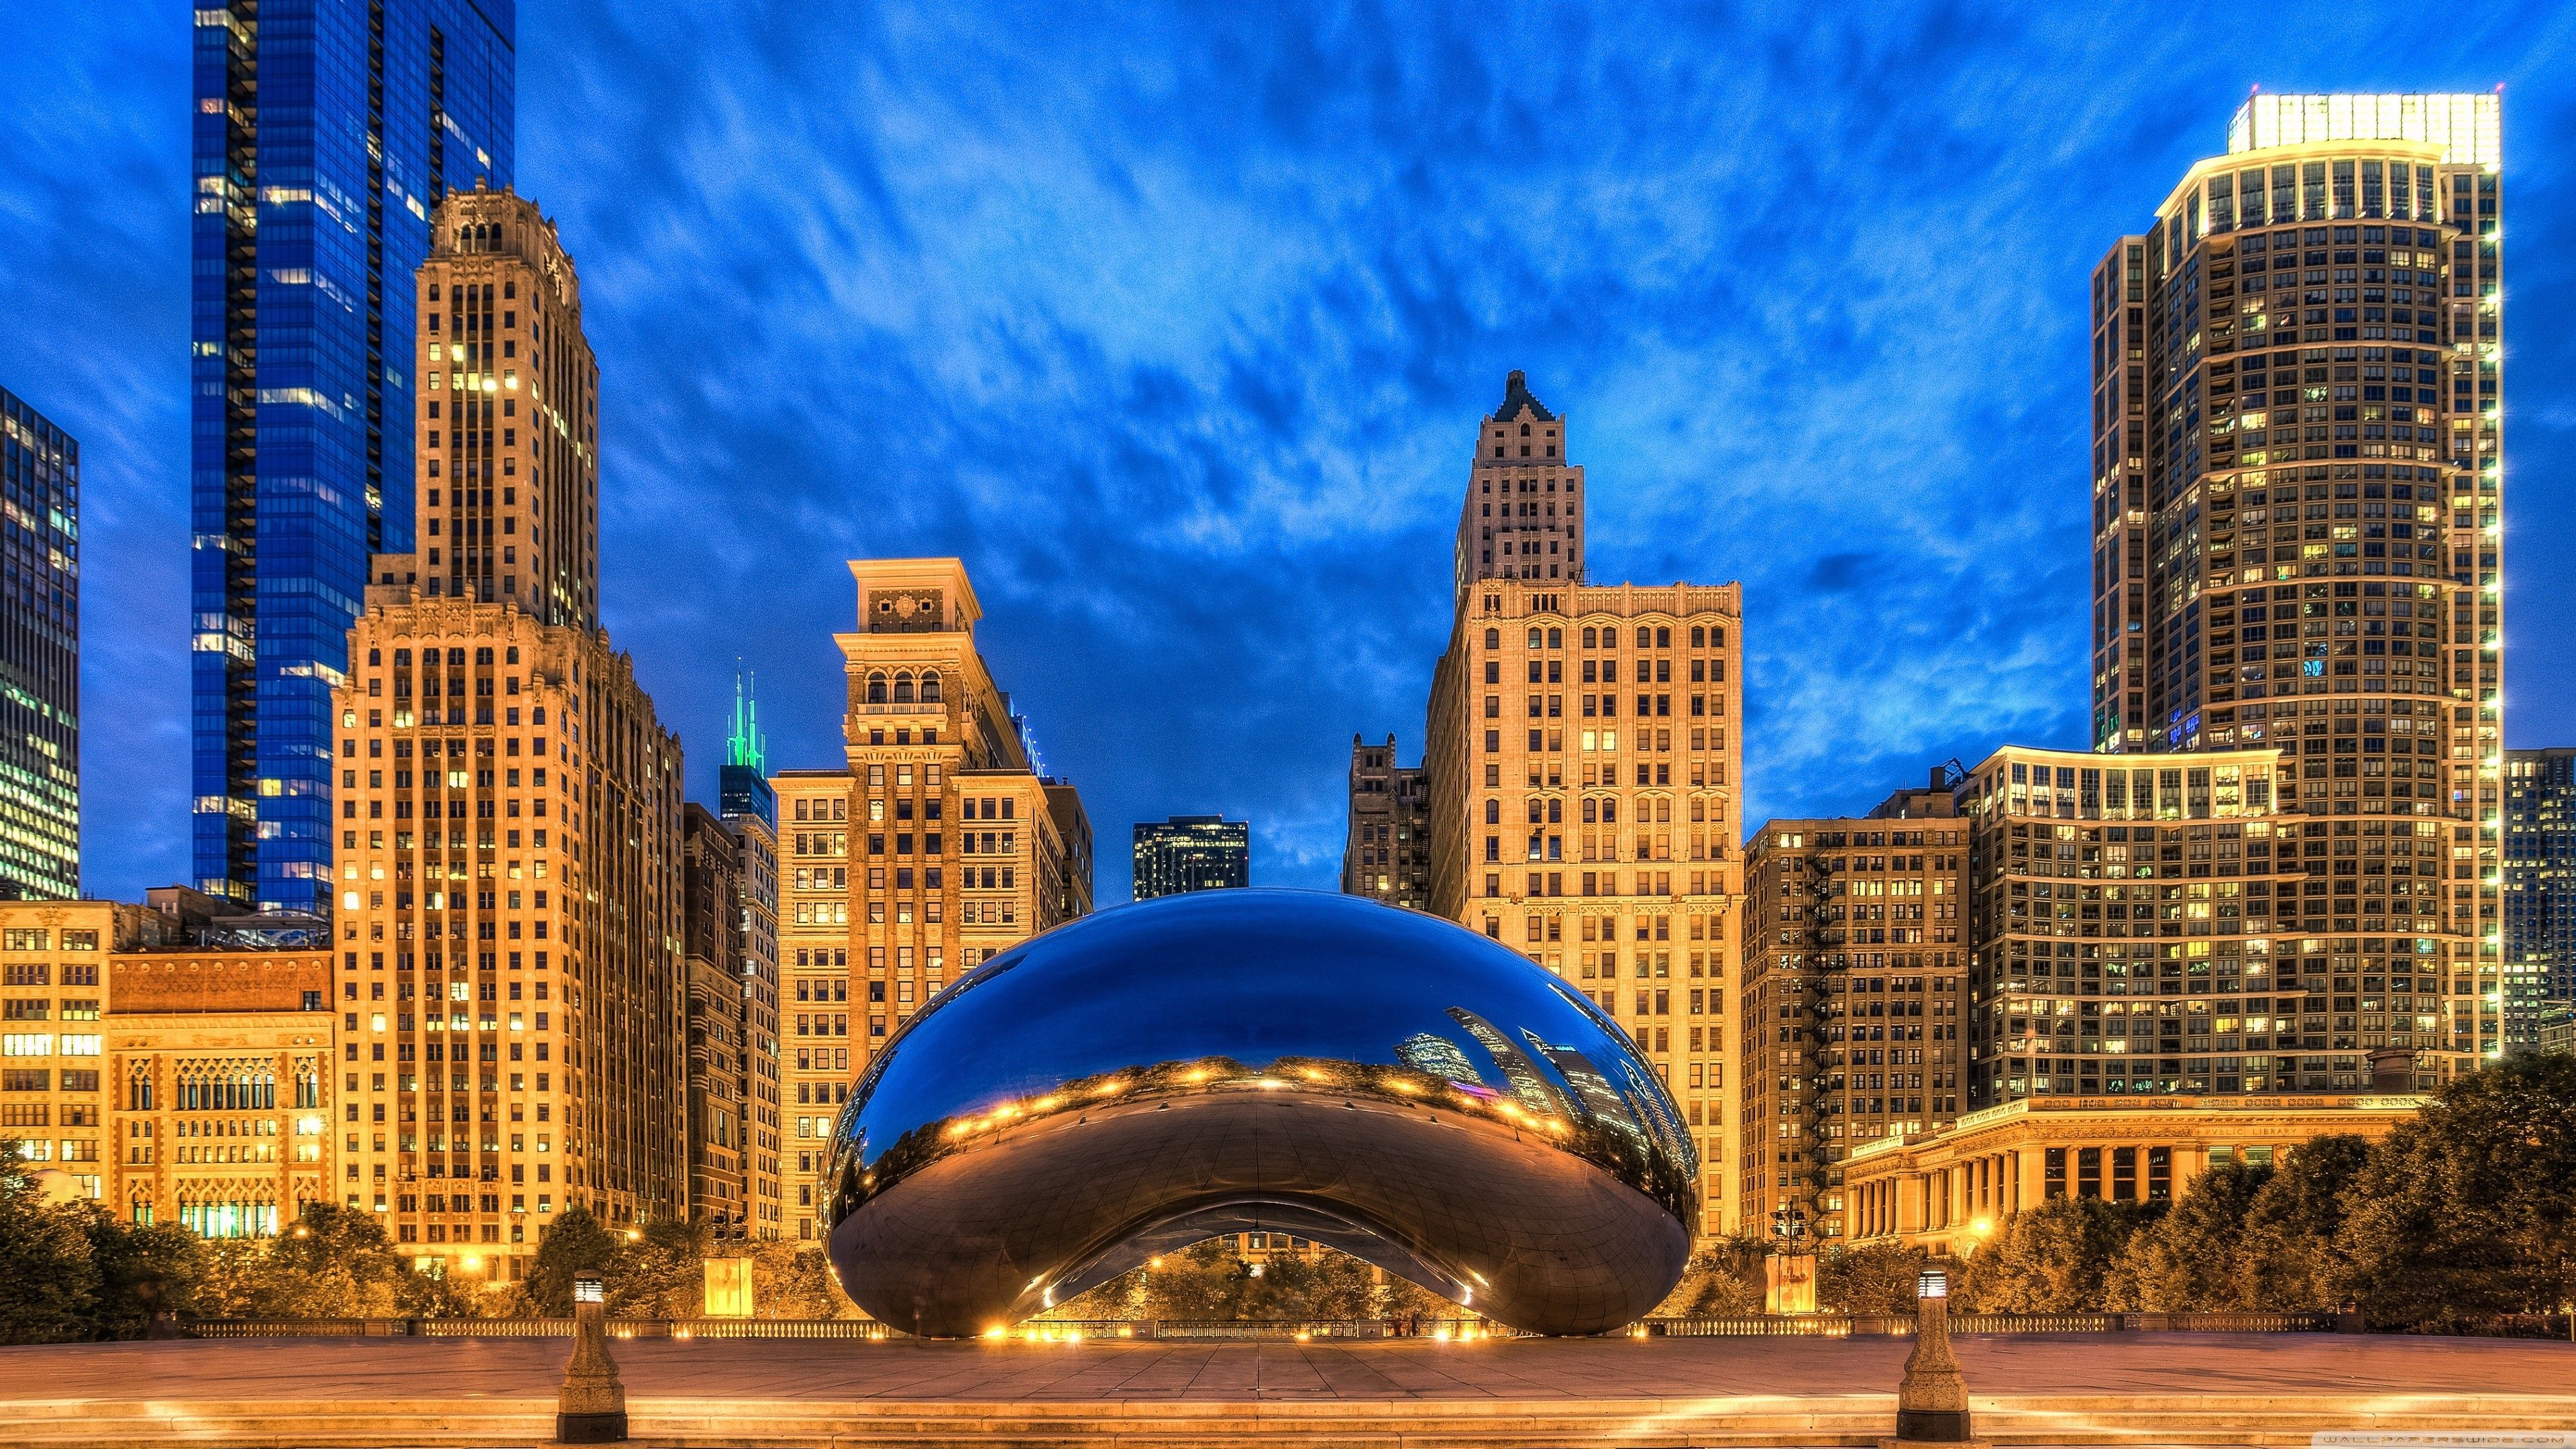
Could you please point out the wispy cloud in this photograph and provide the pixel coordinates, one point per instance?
(1173, 321)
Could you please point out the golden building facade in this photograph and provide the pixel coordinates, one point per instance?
(1584, 766)
(2297, 493)
(1949, 1188)
(168, 1082)
(935, 846)
(1855, 990)
(509, 858)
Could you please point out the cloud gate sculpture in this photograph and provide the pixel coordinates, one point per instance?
(1374, 1079)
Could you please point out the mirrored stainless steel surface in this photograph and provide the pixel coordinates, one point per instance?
(1375, 1079)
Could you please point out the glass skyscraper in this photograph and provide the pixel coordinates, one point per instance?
(326, 130)
(39, 656)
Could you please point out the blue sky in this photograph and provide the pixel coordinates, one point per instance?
(1174, 323)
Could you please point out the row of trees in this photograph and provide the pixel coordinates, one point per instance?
(2466, 1211)
(72, 1272)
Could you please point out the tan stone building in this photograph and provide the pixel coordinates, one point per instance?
(1855, 989)
(2297, 496)
(934, 847)
(1949, 1188)
(509, 861)
(172, 1082)
(726, 1059)
(1584, 764)
(1386, 854)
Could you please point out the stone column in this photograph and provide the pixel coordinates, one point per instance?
(1932, 1400)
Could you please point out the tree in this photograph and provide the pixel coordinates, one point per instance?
(574, 1244)
(2050, 1259)
(1874, 1278)
(661, 1274)
(1717, 1283)
(2187, 1260)
(48, 1274)
(335, 1262)
(792, 1282)
(142, 1268)
(2292, 1256)
(2470, 1208)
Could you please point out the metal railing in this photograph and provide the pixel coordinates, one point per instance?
(1812, 1325)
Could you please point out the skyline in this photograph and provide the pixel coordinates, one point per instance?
(1306, 412)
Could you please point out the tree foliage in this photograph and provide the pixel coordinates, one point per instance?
(2470, 1208)
(2292, 1254)
(1873, 1278)
(2054, 1258)
(2188, 1258)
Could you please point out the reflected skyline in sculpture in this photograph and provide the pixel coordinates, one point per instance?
(1380, 1081)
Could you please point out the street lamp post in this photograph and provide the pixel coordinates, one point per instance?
(1932, 1401)
(592, 1407)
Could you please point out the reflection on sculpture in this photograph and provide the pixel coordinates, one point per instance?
(1374, 1079)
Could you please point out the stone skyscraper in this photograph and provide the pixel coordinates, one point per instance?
(1585, 758)
(2297, 506)
(325, 137)
(934, 846)
(1523, 518)
(1386, 854)
(39, 657)
(508, 810)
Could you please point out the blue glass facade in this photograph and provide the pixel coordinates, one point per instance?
(325, 131)
(39, 656)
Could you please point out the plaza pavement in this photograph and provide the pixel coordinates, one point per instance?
(2162, 1389)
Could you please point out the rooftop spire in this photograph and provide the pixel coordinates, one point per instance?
(1516, 397)
(743, 745)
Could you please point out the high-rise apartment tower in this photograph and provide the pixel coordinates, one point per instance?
(1855, 989)
(326, 135)
(1584, 763)
(2297, 497)
(39, 657)
(2539, 889)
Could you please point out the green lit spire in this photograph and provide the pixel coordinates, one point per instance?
(743, 745)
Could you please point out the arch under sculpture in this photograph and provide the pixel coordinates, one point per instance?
(1378, 1080)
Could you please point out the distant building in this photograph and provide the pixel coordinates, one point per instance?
(1856, 949)
(720, 1076)
(1386, 854)
(39, 658)
(2539, 889)
(1191, 853)
(749, 809)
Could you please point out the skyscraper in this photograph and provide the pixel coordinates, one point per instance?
(1191, 853)
(1584, 764)
(749, 809)
(39, 657)
(509, 851)
(325, 136)
(1386, 853)
(932, 847)
(1855, 948)
(2296, 500)
(1523, 515)
(2539, 889)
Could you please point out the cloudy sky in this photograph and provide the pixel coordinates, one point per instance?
(1174, 323)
